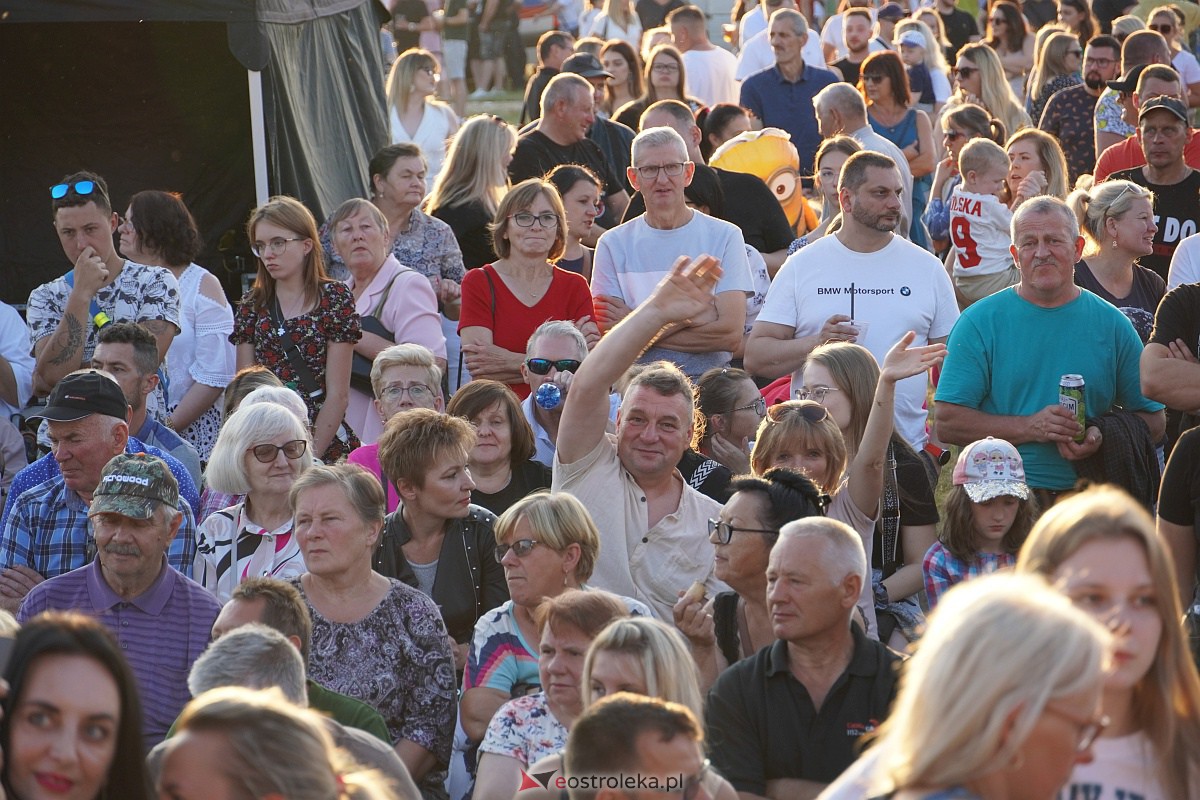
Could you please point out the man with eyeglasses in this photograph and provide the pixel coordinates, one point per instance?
(560, 137)
(66, 314)
(632, 258)
(1069, 112)
(1114, 122)
(44, 531)
(162, 619)
(1164, 133)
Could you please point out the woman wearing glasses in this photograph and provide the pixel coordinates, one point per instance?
(1057, 67)
(1100, 550)
(298, 322)
(732, 407)
(395, 302)
(583, 201)
(260, 453)
(415, 113)
(960, 125)
(979, 77)
(504, 302)
(1010, 37)
(501, 462)
(1170, 22)
(666, 79)
(803, 435)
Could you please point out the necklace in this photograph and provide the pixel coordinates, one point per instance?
(522, 286)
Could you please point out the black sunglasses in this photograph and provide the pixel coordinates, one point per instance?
(59, 190)
(1162, 28)
(811, 411)
(520, 548)
(965, 72)
(725, 531)
(541, 366)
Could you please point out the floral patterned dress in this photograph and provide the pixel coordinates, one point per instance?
(525, 729)
(333, 320)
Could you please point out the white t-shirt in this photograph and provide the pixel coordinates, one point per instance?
(1188, 68)
(710, 75)
(757, 55)
(897, 289)
(632, 258)
(753, 23)
(1185, 263)
(831, 34)
(1123, 768)
(979, 228)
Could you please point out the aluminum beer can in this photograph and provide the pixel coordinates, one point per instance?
(1070, 397)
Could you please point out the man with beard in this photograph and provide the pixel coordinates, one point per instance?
(856, 33)
(1069, 113)
(1164, 134)
(888, 284)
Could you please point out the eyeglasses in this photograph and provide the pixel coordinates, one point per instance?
(724, 530)
(810, 411)
(1089, 730)
(541, 366)
(953, 136)
(650, 172)
(965, 72)
(266, 453)
(59, 190)
(759, 405)
(274, 247)
(1102, 63)
(691, 787)
(520, 548)
(418, 392)
(665, 67)
(1162, 28)
(525, 220)
(816, 394)
(873, 78)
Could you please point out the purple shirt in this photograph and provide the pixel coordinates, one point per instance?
(161, 632)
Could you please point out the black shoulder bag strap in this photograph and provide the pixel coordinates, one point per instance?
(291, 349)
(890, 518)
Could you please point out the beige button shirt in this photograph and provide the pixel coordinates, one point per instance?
(650, 564)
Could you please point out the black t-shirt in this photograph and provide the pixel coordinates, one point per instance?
(1176, 210)
(406, 11)
(1039, 12)
(1141, 302)
(917, 503)
(469, 221)
(1178, 317)
(537, 154)
(1106, 11)
(960, 27)
(652, 14)
(1179, 496)
(849, 70)
(533, 93)
(526, 479)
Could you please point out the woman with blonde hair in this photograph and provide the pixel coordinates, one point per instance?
(1169, 20)
(1117, 219)
(1124, 25)
(414, 112)
(1101, 550)
(990, 723)
(1038, 166)
(299, 322)
(237, 742)
(1057, 67)
(980, 80)
(616, 20)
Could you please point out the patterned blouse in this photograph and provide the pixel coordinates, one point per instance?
(525, 729)
(231, 547)
(428, 246)
(333, 320)
(397, 660)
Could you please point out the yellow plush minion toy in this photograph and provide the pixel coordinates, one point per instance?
(770, 155)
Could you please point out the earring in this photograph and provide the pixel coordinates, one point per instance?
(1114, 244)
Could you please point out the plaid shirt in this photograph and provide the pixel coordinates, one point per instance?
(47, 530)
(943, 570)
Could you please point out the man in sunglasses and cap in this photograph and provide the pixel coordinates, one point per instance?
(162, 619)
(45, 532)
(66, 314)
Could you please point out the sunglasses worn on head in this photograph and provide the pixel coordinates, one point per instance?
(59, 190)
(520, 548)
(266, 453)
(541, 366)
(811, 411)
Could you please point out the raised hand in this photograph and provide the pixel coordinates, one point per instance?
(903, 361)
(686, 293)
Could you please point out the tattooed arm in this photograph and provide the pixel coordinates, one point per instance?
(61, 352)
(164, 333)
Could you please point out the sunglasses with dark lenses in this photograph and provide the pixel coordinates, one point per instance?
(59, 190)
(266, 453)
(953, 136)
(1162, 28)
(965, 72)
(811, 411)
(520, 548)
(541, 366)
(724, 530)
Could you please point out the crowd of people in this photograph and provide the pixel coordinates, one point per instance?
(565, 458)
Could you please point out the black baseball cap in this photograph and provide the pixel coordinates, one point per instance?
(1164, 103)
(585, 65)
(1128, 82)
(82, 394)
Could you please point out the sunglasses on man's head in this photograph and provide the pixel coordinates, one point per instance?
(541, 366)
(59, 190)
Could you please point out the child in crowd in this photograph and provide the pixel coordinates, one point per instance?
(988, 514)
(979, 223)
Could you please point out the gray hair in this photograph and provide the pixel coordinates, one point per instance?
(558, 328)
(799, 23)
(844, 554)
(1044, 204)
(248, 426)
(406, 354)
(253, 656)
(564, 86)
(280, 396)
(842, 98)
(656, 137)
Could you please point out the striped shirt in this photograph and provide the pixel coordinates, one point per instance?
(161, 632)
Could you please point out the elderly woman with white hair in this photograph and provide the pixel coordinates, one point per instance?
(1008, 719)
(396, 304)
(262, 449)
